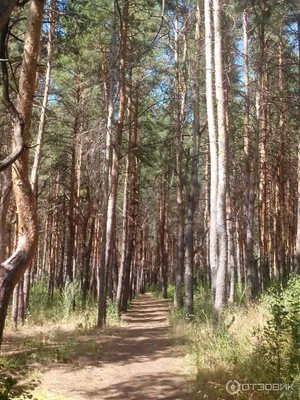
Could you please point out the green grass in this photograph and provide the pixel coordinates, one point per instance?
(54, 332)
(156, 293)
(256, 343)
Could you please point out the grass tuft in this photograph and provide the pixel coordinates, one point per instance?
(256, 344)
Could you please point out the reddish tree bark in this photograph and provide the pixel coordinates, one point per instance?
(12, 270)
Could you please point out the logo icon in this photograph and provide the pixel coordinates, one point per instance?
(233, 387)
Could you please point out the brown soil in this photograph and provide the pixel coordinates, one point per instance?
(136, 362)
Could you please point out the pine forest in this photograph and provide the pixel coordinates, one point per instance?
(150, 199)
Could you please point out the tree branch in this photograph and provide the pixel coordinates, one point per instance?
(20, 147)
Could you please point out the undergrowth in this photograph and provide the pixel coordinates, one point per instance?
(10, 375)
(64, 306)
(157, 293)
(57, 329)
(256, 345)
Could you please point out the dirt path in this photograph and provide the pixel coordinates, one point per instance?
(136, 362)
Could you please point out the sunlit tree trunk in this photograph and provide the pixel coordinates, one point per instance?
(280, 228)
(133, 199)
(105, 247)
(263, 128)
(231, 246)
(12, 270)
(41, 132)
(126, 203)
(114, 176)
(193, 193)
(15, 305)
(222, 162)
(180, 104)
(298, 167)
(250, 173)
(163, 238)
(213, 146)
(60, 273)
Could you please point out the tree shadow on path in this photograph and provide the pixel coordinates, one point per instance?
(136, 362)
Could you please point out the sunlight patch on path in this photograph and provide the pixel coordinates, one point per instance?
(136, 362)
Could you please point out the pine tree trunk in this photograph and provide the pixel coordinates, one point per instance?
(15, 306)
(60, 274)
(4, 204)
(180, 104)
(133, 200)
(162, 243)
(114, 176)
(12, 270)
(26, 288)
(298, 166)
(122, 272)
(213, 150)
(21, 309)
(250, 175)
(75, 185)
(280, 231)
(105, 249)
(222, 162)
(42, 124)
(194, 191)
(263, 88)
(86, 263)
(231, 246)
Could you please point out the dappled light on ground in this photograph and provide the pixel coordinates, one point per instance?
(134, 362)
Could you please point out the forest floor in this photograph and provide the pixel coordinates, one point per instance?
(136, 361)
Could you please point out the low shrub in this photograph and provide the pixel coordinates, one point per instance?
(10, 376)
(255, 344)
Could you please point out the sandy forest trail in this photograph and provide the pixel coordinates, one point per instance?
(136, 362)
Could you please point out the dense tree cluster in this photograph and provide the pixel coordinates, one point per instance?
(152, 143)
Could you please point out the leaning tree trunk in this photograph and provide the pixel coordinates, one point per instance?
(12, 270)
(40, 136)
